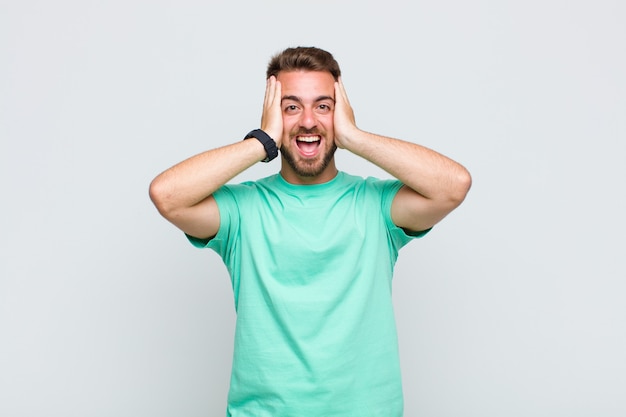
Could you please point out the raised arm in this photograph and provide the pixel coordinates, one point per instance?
(434, 185)
(183, 193)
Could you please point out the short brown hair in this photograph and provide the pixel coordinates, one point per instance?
(303, 58)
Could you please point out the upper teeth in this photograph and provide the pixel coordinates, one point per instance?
(309, 138)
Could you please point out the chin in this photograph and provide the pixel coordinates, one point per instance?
(311, 168)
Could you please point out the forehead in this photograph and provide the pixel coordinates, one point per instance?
(306, 84)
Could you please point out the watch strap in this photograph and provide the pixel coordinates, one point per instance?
(268, 143)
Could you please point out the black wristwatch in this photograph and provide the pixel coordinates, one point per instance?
(267, 141)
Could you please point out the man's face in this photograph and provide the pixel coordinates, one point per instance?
(308, 144)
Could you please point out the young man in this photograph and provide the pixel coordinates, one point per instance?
(311, 250)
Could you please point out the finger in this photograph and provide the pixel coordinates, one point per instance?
(269, 91)
(277, 93)
(341, 89)
(343, 104)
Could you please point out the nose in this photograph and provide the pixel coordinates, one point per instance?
(307, 118)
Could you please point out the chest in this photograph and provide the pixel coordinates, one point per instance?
(314, 235)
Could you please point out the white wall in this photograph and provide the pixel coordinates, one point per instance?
(512, 306)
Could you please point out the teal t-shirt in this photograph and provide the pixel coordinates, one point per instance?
(311, 269)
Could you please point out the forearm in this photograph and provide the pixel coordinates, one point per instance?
(429, 173)
(190, 182)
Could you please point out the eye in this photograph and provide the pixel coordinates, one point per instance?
(291, 108)
(324, 108)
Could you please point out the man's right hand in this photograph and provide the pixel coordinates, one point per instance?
(272, 118)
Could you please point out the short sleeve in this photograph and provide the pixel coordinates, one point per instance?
(229, 223)
(398, 235)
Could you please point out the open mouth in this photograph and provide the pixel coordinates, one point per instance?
(308, 145)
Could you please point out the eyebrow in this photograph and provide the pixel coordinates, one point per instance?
(297, 99)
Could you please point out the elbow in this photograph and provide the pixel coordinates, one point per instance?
(462, 185)
(160, 197)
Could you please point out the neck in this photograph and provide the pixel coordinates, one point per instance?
(293, 177)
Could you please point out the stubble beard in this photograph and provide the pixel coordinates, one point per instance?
(309, 168)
